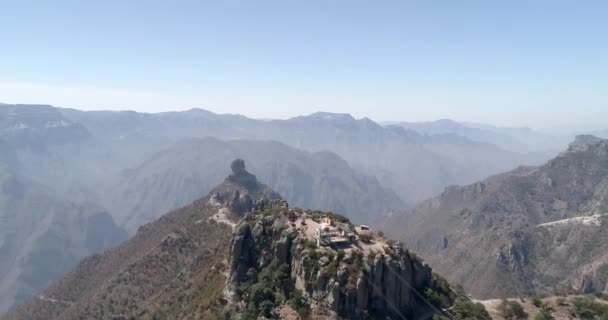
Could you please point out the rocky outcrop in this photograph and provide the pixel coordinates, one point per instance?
(353, 282)
(241, 176)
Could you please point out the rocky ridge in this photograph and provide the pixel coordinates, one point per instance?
(531, 230)
(241, 252)
(377, 278)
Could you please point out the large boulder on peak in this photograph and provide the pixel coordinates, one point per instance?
(241, 175)
(241, 190)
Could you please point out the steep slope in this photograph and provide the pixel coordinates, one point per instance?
(43, 233)
(532, 229)
(189, 169)
(172, 256)
(43, 236)
(239, 253)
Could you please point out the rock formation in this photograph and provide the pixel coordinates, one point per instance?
(531, 230)
(353, 282)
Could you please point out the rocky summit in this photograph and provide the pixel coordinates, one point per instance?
(275, 257)
(243, 253)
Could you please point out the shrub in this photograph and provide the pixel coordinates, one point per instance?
(537, 302)
(544, 314)
(313, 255)
(261, 292)
(357, 256)
(468, 310)
(586, 308)
(249, 314)
(600, 295)
(310, 245)
(298, 303)
(266, 307)
(512, 310)
(435, 298)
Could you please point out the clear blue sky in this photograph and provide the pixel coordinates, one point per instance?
(539, 63)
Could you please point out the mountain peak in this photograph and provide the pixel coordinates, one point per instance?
(585, 140)
(241, 190)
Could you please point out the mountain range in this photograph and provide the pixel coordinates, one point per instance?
(190, 168)
(520, 139)
(235, 254)
(414, 165)
(532, 230)
(128, 168)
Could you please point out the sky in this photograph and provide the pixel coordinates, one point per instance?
(516, 63)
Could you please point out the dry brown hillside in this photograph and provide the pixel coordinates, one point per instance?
(168, 264)
(534, 229)
(243, 253)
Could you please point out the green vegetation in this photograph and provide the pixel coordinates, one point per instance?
(318, 215)
(290, 233)
(267, 292)
(587, 308)
(298, 303)
(340, 255)
(435, 298)
(512, 310)
(601, 295)
(468, 310)
(544, 314)
(311, 245)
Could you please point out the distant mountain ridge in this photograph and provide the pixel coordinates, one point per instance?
(414, 165)
(354, 166)
(38, 125)
(182, 173)
(514, 139)
(530, 230)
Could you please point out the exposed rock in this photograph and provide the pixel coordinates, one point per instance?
(323, 261)
(243, 252)
(530, 230)
(282, 249)
(241, 175)
(356, 285)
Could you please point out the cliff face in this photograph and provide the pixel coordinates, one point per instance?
(530, 230)
(273, 257)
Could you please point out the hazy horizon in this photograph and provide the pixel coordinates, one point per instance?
(515, 64)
